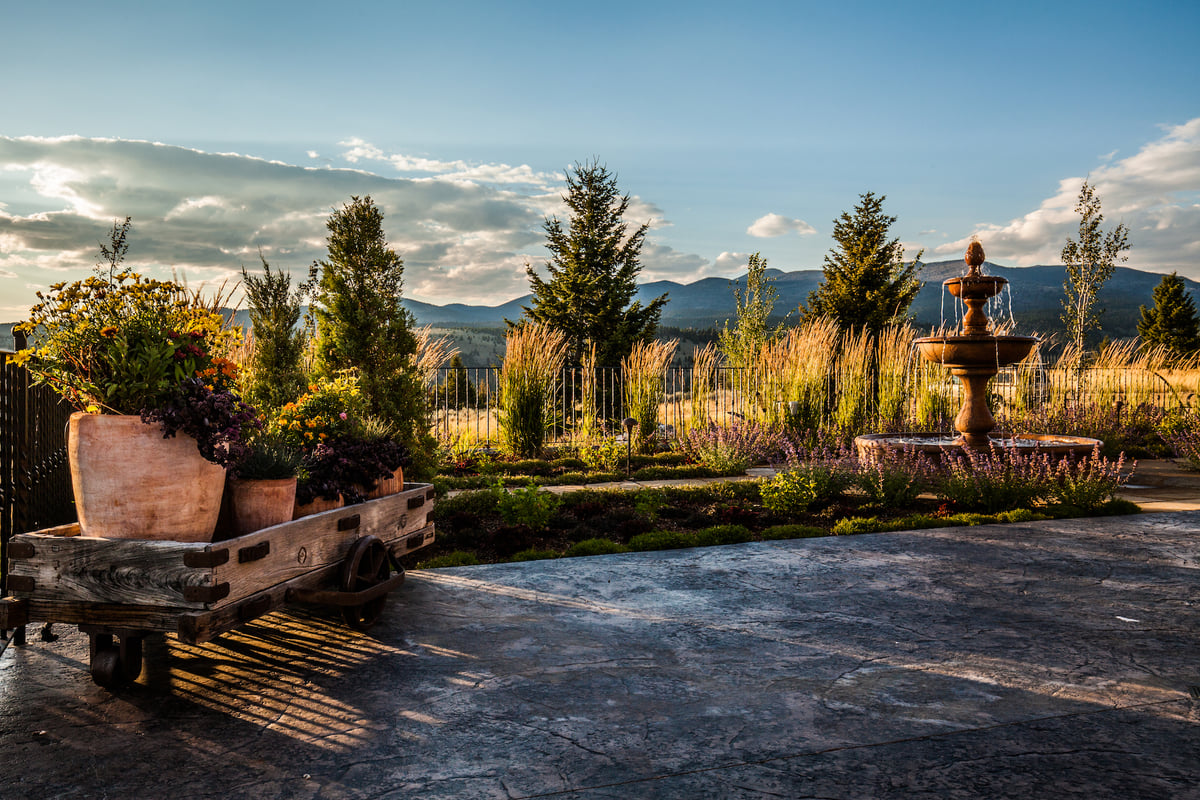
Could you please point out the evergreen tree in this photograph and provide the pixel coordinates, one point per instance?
(456, 391)
(1090, 263)
(361, 324)
(867, 284)
(274, 377)
(593, 269)
(1172, 321)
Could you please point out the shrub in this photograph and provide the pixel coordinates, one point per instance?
(477, 502)
(648, 502)
(792, 532)
(1088, 483)
(848, 526)
(595, 547)
(606, 456)
(528, 506)
(721, 534)
(661, 540)
(801, 487)
(458, 558)
(1182, 433)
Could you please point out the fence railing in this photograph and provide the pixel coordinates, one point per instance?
(35, 479)
(465, 403)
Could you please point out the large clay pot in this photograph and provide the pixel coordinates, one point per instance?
(387, 486)
(258, 504)
(131, 483)
(316, 506)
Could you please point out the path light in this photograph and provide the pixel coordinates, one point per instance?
(629, 423)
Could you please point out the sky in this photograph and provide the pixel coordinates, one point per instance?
(226, 129)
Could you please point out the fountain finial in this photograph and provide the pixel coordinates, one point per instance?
(975, 257)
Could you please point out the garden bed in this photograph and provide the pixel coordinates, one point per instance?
(494, 526)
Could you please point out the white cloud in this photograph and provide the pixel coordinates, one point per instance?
(1155, 192)
(772, 225)
(464, 231)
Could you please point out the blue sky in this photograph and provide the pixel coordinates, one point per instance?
(226, 127)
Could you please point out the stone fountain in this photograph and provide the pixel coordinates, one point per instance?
(974, 356)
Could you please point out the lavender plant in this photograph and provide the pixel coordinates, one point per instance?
(995, 480)
(734, 447)
(895, 478)
(1089, 483)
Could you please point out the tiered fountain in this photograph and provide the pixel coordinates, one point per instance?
(974, 356)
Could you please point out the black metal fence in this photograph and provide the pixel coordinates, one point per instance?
(35, 479)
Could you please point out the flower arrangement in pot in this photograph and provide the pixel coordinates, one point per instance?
(157, 421)
(261, 486)
(348, 455)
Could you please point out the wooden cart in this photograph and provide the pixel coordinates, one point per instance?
(119, 590)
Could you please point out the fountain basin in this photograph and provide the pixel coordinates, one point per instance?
(975, 351)
(871, 446)
(975, 287)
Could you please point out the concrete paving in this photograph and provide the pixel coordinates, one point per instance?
(1052, 659)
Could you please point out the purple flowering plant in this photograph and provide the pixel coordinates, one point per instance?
(215, 417)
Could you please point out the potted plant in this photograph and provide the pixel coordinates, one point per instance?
(157, 420)
(261, 487)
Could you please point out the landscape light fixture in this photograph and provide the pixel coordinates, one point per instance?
(630, 423)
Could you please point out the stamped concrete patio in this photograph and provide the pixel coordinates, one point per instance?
(1052, 659)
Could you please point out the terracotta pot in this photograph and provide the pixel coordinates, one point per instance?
(315, 507)
(131, 483)
(258, 504)
(387, 486)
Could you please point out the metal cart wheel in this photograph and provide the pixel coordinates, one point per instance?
(115, 664)
(367, 564)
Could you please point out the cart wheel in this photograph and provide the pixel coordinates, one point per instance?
(114, 665)
(366, 564)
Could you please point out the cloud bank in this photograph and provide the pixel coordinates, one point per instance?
(465, 231)
(1155, 192)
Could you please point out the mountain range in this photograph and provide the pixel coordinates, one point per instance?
(1035, 292)
(1034, 295)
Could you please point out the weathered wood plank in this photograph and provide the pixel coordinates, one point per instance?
(87, 569)
(112, 615)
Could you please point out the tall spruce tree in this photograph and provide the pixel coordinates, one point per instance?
(1090, 263)
(361, 324)
(867, 284)
(1172, 321)
(592, 271)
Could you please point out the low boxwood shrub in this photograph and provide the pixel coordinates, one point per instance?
(458, 558)
(721, 534)
(792, 532)
(468, 502)
(534, 554)
(526, 506)
(595, 547)
(661, 540)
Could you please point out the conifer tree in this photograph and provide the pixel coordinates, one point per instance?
(1172, 321)
(274, 377)
(361, 324)
(592, 272)
(867, 284)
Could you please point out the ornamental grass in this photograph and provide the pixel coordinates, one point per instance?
(533, 360)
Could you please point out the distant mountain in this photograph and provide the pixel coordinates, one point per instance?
(1035, 293)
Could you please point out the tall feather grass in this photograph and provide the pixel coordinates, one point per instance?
(704, 377)
(533, 361)
(643, 373)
